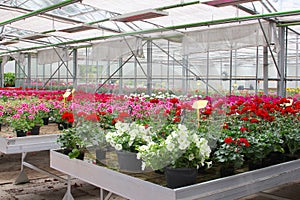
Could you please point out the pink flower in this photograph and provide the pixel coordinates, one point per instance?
(16, 116)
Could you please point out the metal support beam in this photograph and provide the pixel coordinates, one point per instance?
(297, 59)
(230, 74)
(108, 69)
(75, 66)
(207, 72)
(135, 74)
(2, 74)
(183, 73)
(149, 67)
(120, 76)
(281, 62)
(265, 70)
(168, 67)
(256, 70)
(29, 69)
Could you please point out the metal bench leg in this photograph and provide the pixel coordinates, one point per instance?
(22, 177)
(68, 195)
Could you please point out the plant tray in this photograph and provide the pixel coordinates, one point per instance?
(130, 187)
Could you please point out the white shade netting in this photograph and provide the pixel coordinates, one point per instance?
(19, 57)
(53, 55)
(110, 50)
(229, 38)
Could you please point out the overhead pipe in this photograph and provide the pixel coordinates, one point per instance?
(163, 29)
(39, 11)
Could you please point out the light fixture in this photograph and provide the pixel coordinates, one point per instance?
(221, 3)
(77, 29)
(8, 42)
(35, 36)
(140, 15)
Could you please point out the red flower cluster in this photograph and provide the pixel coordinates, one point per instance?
(68, 116)
(237, 141)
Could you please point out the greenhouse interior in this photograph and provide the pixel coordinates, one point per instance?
(160, 99)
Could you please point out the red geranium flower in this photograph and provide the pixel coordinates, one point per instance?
(174, 100)
(68, 116)
(228, 140)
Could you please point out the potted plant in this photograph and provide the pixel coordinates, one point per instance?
(9, 79)
(66, 121)
(126, 139)
(89, 128)
(182, 152)
(230, 154)
(44, 112)
(71, 143)
(21, 123)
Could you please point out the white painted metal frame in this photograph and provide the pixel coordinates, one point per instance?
(27, 144)
(227, 188)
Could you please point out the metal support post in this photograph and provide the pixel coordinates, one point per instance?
(207, 72)
(29, 69)
(120, 76)
(256, 70)
(230, 74)
(265, 70)
(22, 177)
(281, 62)
(184, 73)
(75, 66)
(135, 74)
(68, 195)
(149, 67)
(297, 59)
(168, 67)
(105, 195)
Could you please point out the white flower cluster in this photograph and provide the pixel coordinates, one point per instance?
(126, 134)
(181, 144)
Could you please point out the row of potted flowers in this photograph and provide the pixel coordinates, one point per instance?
(237, 128)
(167, 131)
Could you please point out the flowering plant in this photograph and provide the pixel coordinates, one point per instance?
(21, 122)
(231, 151)
(181, 148)
(25, 117)
(43, 110)
(128, 136)
(67, 117)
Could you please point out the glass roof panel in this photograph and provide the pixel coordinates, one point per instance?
(90, 18)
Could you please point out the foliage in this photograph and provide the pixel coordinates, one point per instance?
(71, 140)
(231, 151)
(90, 130)
(9, 79)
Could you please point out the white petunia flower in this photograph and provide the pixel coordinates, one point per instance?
(118, 147)
(170, 146)
(191, 157)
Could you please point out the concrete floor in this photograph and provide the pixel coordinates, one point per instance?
(42, 187)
